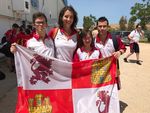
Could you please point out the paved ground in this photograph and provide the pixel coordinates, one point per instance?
(134, 95)
(8, 91)
(135, 78)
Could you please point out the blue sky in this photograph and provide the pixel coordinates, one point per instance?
(112, 9)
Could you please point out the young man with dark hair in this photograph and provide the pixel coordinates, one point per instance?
(107, 43)
(40, 42)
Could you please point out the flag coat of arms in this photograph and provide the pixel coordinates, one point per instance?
(49, 85)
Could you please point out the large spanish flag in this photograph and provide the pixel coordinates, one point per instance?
(48, 85)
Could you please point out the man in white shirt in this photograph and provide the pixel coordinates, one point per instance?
(104, 42)
(134, 38)
(39, 42)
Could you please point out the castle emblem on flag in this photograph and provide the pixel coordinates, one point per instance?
(41, 67)
(100, 71)
(39, 104)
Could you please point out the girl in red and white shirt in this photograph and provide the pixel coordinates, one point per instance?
(86, 48)
(65, 36)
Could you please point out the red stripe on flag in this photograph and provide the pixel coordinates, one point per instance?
(22, 104)
(57, 101)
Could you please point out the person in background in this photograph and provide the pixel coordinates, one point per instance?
(65, 36)
(87, 49)
(11, 33)
(10, 38)
(105, 43)
(40, 42)
(30, 28)
(134, 38)
(23, 36)
(19, 35)
(94, 32)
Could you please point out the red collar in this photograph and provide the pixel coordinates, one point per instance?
(89, 52)
(83, 49)
(36, 36)
(63, 31)
(98, 39)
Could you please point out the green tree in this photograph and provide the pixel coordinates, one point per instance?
(93, 19)
(89, 22)
(131, 23)
(141, 11)
(122, 23)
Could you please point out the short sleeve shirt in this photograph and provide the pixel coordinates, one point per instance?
(135, 35)
(65, 46)
(107, 49)
(81, 54)
(44, 47)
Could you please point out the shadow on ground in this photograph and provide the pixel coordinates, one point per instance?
(122, 106)
(134, 61)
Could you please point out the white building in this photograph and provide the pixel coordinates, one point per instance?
(17, 11)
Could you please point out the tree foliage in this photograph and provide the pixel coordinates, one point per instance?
(89, 22)
(122, 23)
(131, 23)
(141, 12)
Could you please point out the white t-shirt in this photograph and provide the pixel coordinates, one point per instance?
(86, 56)
(44, 47)
(107, 49)
(65, 47)
(135, 35)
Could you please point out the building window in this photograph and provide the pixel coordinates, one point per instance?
(35, 4)
(65, 2)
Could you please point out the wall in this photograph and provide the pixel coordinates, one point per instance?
(8, 16)
(5, 8)
(51, 8)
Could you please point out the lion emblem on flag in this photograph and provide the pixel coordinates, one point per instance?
(103, 101)
(41, 67)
